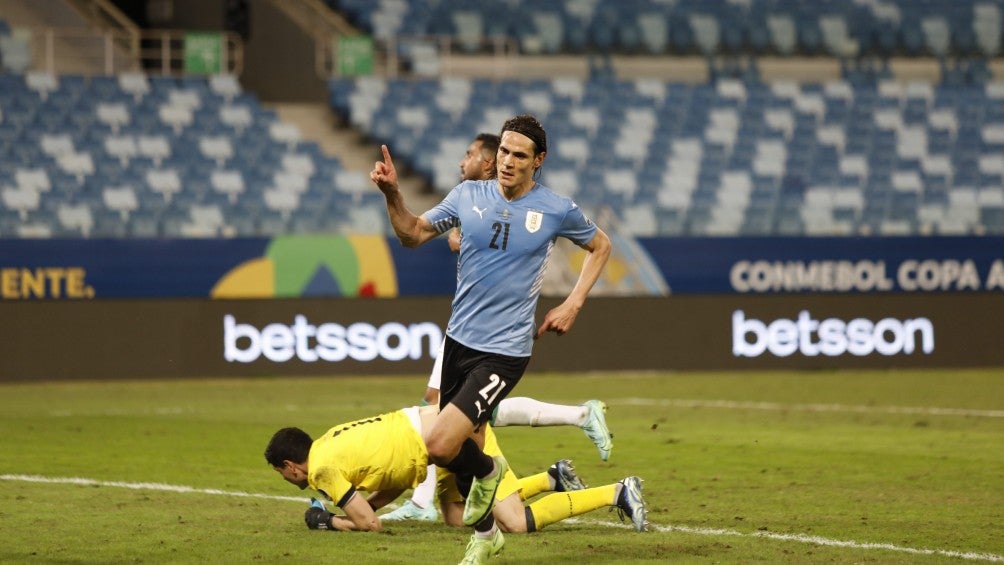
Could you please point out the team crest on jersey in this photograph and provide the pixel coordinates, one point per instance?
(533, 221)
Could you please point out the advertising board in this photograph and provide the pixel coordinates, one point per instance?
(196, 338)
(304, 266)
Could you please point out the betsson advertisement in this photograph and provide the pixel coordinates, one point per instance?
(831, 337)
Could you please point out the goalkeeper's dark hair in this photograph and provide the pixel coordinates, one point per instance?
(530, 127)
(291, 444)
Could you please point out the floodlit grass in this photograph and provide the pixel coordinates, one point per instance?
(844, 467)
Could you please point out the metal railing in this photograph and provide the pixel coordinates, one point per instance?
(320, 23)
(397, 56)
(90, 51)
(391, 56)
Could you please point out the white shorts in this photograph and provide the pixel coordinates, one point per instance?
(414, 418)
(435, 378)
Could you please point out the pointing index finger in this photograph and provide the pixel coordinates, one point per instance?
(386, 156)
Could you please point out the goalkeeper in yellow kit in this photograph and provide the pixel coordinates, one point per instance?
(385, 455)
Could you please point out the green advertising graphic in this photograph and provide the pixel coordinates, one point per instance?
(203, 52)
(354, 55)
(314, 265)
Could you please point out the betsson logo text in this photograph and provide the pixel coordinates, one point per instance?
(830, 337)
(244, 343)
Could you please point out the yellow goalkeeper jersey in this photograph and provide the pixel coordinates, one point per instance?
(379, 453)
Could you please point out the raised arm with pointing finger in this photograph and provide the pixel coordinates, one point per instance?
(410, 229)
(510, 225)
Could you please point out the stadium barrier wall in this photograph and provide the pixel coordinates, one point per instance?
(198, 338)
(297, 266)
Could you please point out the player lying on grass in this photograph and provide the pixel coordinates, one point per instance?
(518, 411)
(386, 455)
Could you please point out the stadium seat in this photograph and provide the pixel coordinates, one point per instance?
(290, 181)
(135, 85)
(165, 182)
(206, 219)
(176, 117)
(36, 179)
(55, 145)
(285, 132)
(282, 201)
(707, 33)
(122, 147)
(218, 148)
(237, 117)
(987, 26)
(783, 36)
(78, 164)
(155, 147)
(226, 87)
(75, 220)
(114, 115)
(122, 200)
(229, 183)
(836, 37)
(299, 164)
(16, 50)
(22, 200)
(654, 30)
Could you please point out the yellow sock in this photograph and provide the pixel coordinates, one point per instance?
(560, 505)
(533, 485)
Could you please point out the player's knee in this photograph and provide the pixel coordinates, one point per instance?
(441, 450)
(455, 521)
(511, 524)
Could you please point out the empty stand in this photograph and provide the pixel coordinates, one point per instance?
(728, 158)
(139, 156)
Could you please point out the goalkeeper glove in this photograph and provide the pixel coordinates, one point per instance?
(317, 517)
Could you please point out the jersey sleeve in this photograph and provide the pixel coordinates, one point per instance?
(332, 483)
(444, 216)
(576, 226)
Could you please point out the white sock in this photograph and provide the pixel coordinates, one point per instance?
(425, 492)
(523, 411)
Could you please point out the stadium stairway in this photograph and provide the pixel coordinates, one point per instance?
(318, 123)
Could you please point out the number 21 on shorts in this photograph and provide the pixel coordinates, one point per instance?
(491, 391)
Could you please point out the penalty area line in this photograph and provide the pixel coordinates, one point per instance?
(800, 538)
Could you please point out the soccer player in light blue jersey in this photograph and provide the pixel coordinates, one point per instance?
(478, 163)
(510, 226)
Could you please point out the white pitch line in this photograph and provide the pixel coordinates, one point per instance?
(776, 406)
(816, 540)
(144, 486)
(801, 538)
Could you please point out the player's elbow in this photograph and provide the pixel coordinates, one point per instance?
(406, 238)
(410, 238)
(373, 525)
(601, 245)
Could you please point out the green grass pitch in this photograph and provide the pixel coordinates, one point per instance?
(769, 467)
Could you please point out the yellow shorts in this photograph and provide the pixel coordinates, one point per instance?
(446, 486)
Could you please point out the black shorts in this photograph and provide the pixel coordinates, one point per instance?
(475, 381)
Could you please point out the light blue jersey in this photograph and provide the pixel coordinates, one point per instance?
(503, 257)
